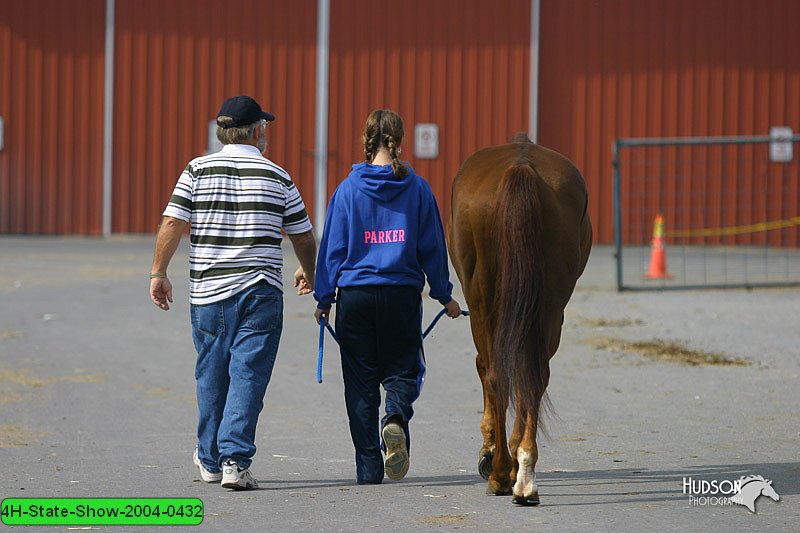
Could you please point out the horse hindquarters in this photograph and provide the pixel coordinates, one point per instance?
(501, 225)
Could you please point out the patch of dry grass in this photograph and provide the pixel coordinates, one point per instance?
(443, 520)
(610, 322)
(22, 376)
(670, 352)
(13, 436)
(16, 383)
(9, 397)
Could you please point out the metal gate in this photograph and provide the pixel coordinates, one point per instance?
(707, 212)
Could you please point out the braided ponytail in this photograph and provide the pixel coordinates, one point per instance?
(399, 168)
(384, 129)
(370, 138)
(369, 147)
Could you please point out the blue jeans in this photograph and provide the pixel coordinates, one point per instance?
(236, 342)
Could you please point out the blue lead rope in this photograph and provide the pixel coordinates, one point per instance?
(435, 320)
(323, 324)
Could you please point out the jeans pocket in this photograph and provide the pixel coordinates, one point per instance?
(208, 319)
(264, 311)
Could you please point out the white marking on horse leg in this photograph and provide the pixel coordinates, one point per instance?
(525, 487)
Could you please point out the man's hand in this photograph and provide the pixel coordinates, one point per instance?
(305, 248)
(161, 292)
(303, 282)
(167, 240)
(453, 309)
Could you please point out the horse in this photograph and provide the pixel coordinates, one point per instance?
(519, 237)
(751, 487)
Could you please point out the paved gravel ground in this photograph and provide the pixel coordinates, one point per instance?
(97, 400)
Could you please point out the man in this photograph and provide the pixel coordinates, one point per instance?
(236, 202)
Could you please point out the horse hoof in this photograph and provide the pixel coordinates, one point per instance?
(498, 487)
(531, 500)
(485, 465)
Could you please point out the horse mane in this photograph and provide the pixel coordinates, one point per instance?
(519, 345)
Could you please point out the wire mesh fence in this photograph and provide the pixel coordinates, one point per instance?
(707, 212)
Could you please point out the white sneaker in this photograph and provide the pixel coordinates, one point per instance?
(396, 463)
(237, 479)
(205, 475)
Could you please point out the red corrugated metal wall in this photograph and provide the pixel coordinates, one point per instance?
(666, 68)
(176, 62)
(51, 101)
(464, 67)
(462, 64)
(607, 69)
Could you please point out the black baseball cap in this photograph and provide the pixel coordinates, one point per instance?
(243, 110)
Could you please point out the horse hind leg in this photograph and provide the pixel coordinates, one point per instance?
(486, 454)
(500, 478)
(526, 491)
(516, 437)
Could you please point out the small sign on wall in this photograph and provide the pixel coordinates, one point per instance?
(780, 151)
(426, 141)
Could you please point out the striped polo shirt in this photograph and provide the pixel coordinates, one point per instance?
(237, 201)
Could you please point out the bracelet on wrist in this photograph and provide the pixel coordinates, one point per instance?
(158, 275)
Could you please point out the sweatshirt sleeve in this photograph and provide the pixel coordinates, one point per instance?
(332, 252)
(432, 249)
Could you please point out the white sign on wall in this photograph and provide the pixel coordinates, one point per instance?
(426, 141)
(780, 151)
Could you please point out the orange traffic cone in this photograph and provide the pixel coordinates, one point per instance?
(658, 256)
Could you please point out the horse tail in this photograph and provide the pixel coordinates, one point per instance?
(520, 357)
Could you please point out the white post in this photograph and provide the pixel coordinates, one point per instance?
(533, 103)
(108, 119)
(321, 140)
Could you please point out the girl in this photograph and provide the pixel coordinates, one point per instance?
(383, 237)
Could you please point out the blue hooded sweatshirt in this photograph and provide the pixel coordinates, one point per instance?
(381, 230)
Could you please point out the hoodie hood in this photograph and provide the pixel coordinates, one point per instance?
(379, 181)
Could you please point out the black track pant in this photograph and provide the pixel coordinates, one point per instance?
(379, 329)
